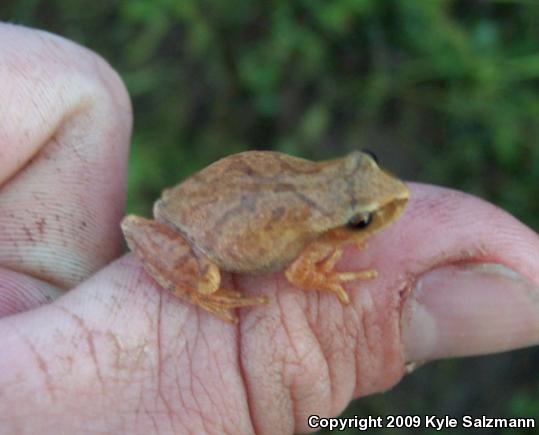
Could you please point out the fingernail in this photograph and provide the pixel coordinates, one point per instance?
(469, 310)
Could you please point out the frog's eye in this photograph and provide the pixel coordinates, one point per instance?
(359, 221)
(370, 153)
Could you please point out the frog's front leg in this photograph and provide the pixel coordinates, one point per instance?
(313, 270)
(171, 261)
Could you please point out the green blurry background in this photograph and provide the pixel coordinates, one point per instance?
(445, 92)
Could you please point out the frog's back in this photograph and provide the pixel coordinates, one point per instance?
(255, 211)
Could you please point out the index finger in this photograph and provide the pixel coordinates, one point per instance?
(64, 132)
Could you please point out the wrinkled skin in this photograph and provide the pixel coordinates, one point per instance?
(117, 355)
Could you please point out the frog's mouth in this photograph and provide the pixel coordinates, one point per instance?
(387, 213)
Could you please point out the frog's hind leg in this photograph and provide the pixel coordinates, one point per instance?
(222, 302)
(217, 300)
(313, 270)
(171, 261)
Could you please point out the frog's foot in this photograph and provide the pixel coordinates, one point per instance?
(313, 270)
(223, 301)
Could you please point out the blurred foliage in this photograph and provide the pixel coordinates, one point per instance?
(444, 91)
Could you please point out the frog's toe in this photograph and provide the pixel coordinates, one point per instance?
(353, 276)
(235, 299)
(223, 301)
(227, 294)
(216, 308)
(336, 279)
(340, 292)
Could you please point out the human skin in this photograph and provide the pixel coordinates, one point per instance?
(93, 346)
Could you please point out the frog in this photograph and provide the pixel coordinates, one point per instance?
(260, 212)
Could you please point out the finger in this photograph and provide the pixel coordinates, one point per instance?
(19, 292)
(319, 355)
(120, 354)
(63, 142)
(136, 351)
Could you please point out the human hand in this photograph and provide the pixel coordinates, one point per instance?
(116, 354)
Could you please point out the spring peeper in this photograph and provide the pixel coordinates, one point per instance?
(262, 211)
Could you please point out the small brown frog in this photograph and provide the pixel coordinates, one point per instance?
(262, 211)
